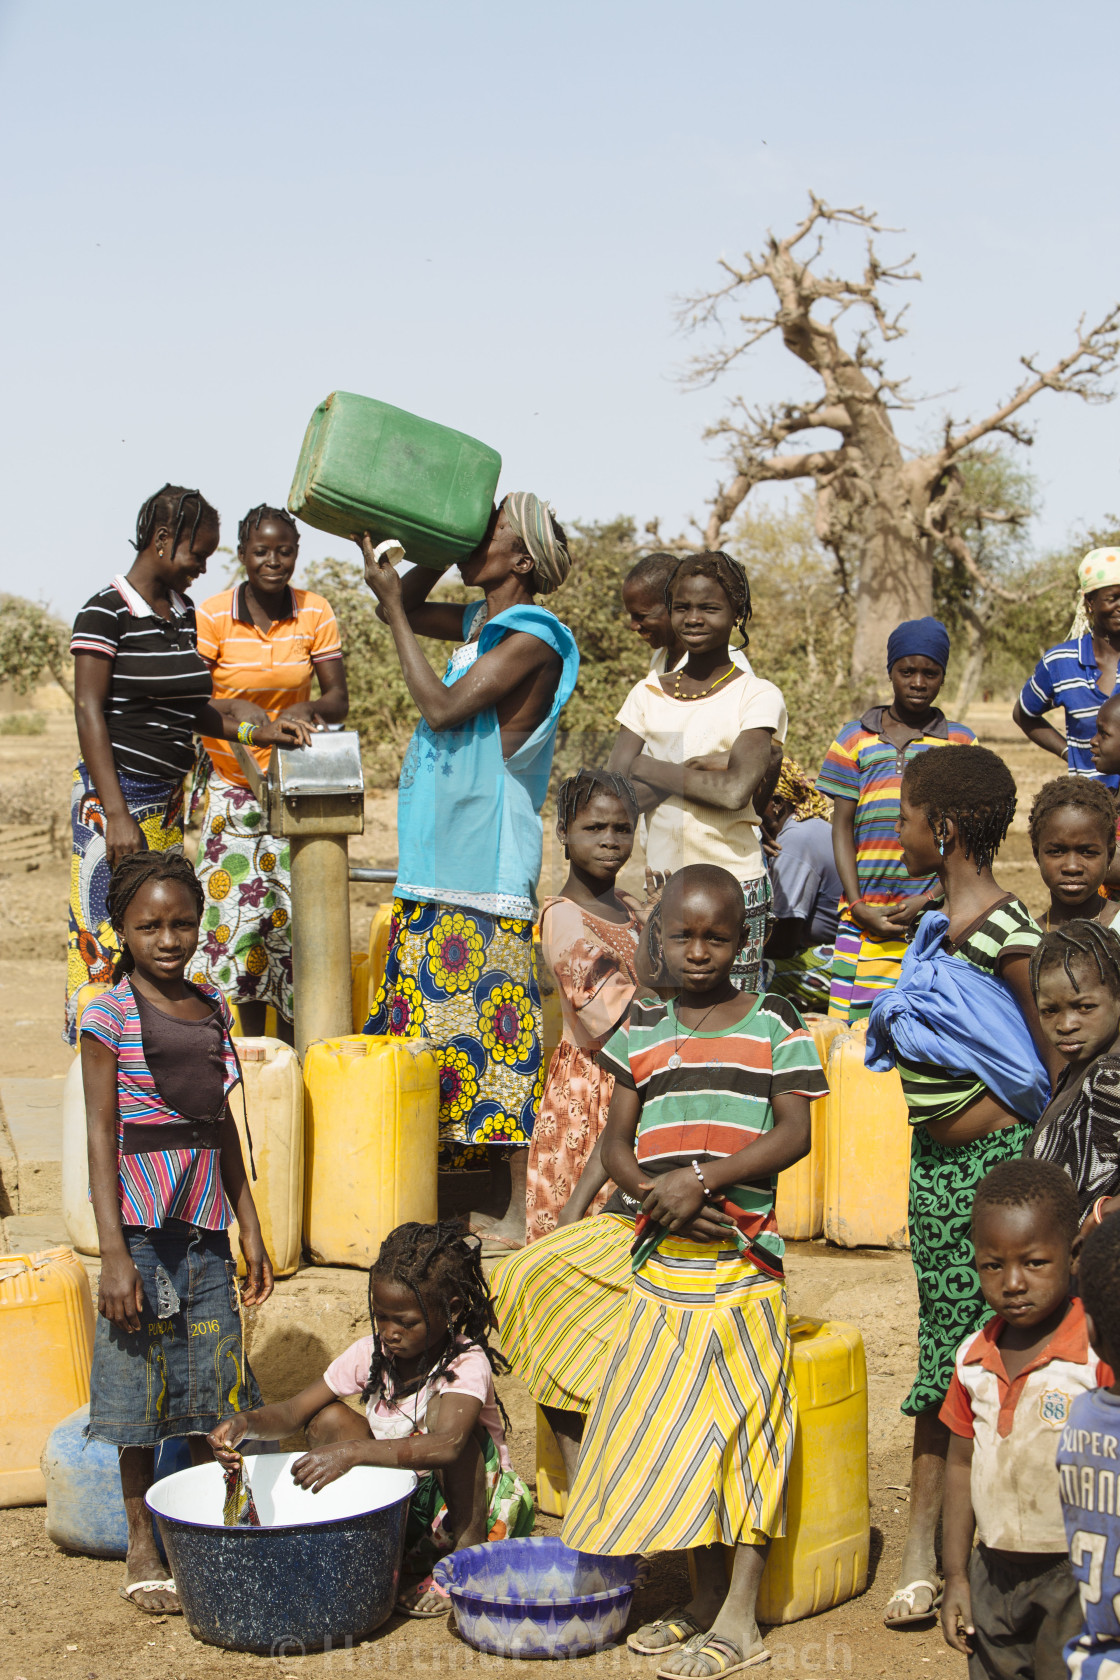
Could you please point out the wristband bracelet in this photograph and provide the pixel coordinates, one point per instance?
(852, 902)
(1098, 1217)
(703, 1185)
(247, 733)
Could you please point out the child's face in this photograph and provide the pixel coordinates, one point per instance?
(1024, 1265)
(270, 555)
(161, 930)
(1105, 745)
(1073, 855)
(600, 837)
(701, 934)
(649, 616)
(701, 614)
(1079, 1020)
(916, 837)
(916, 681)
(399, 1321)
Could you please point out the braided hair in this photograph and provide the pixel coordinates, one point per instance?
(172, 506)
(254, 518)
(141, 869)
(970, 785)
(1081, 942)
(1026, 1183)
(579, 790)
(439, 1265)
(728, 573)
(1074, 793)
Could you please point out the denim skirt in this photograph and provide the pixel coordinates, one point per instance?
(184, 1369)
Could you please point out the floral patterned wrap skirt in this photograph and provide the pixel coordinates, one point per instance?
(245, 946)
(467, 981)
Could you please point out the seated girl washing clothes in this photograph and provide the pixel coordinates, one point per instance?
(1073, 837)
(1075, 972)
(426, 1375)
(689, 1442)
(589, 936)
(961, 1027)
(166, 1177)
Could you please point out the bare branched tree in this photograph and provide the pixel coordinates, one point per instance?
(880, 509)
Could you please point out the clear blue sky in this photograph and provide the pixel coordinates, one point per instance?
(215, 214)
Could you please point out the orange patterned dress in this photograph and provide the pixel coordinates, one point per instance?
(593, 964)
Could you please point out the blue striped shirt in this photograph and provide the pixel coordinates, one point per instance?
(1068, 676)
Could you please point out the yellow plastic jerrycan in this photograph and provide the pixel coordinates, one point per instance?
(46, 1333)
(822, 1559)
(77, 1209)
(552, 1477)
(378, 947)
(359, 989)
(372, 1134)
(273, 1099)
(867, 1150)
(799, 1204)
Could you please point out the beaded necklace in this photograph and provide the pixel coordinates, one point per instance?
(677, 695)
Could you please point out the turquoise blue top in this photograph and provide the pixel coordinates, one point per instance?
(468, 819)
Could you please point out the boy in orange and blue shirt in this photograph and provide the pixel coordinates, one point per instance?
(1014, 1606)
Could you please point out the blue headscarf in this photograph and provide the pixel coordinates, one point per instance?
(925, 636)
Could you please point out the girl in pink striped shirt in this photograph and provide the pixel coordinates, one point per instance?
(166, 1177)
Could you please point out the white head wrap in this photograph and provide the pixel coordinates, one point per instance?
(1099, 569)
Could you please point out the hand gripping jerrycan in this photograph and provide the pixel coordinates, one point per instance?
(367, 466)
(799, 1203)
(372, 1138)
(46, 1333)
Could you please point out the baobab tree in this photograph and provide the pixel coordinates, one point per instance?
(881, 509)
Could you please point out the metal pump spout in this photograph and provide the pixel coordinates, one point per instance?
(314, 797)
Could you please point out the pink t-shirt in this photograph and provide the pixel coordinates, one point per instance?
(391, 1420)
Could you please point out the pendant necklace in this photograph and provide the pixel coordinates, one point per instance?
(675, 1058)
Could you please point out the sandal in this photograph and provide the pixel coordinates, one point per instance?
(724, 1656)
(427, 1585)
(133, 1587)
(905, 1595)
(680, 1625)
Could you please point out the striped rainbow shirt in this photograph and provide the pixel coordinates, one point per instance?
(160, 1183)
(717, 1100)
(864, 766)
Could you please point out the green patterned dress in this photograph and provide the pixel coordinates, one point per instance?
(943, 1177)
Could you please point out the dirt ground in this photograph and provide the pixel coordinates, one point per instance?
(60, 1615)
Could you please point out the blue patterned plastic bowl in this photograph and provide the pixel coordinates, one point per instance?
(537, 1598)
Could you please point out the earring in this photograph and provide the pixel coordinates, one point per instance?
(159, 552)
(567, 859)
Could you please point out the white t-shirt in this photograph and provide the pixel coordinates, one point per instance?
(680, 832)
(391, 1420)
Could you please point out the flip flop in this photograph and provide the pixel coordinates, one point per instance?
(678, 1623)
(127, 1592)
(725, 1655)
(495, 1247)
(426, 1585)
(906, 1596)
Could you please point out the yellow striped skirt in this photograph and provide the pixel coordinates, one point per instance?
(558, 1304)
(690, 1439)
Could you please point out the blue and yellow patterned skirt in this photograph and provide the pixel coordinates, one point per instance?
(466, 981)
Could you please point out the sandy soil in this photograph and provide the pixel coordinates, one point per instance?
(60, 1615)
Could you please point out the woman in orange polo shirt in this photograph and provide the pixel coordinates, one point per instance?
(263, 641)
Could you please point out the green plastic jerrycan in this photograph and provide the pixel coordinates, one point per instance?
(366, 466)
